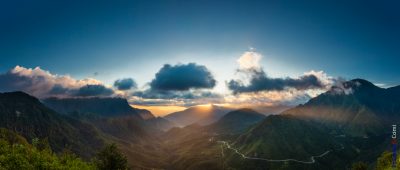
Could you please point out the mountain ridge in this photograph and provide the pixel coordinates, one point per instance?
(236, 121)
(27, 116)
(110, 106)
(359, 108)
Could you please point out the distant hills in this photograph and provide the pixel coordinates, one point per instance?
(108, 110)
(203, 115)
(236, 121)
(160, 123)
(233, 122)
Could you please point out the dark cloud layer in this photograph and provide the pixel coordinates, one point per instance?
(181, 98)
(93, 90)
(182, 84)
(259, 81)
(58, 89)
(182, 77)
(89, 90)
(162, 94)
(125, 84)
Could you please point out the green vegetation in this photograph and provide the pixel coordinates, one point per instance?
(16, 153)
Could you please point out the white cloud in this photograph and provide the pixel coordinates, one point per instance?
(41, 83)
(250, 60)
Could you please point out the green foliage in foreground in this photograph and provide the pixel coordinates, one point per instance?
(16, 153)
(384, 162)
(25, 156)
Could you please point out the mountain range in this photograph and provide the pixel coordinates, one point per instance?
(350, 122)
(346, 124)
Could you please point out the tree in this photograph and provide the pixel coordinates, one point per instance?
(110, 158)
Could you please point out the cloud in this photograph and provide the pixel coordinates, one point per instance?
(125, 84)
(250, 60)
(182, 77)
(163, 94)
(259, 81)
(254, 87)
(182, 84)
(290, 97)
(343, 87)
(93, 90)
(42, 83)
(176, 98)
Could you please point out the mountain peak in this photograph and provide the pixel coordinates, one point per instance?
(351, 104)
(351, 86)
(361, 83)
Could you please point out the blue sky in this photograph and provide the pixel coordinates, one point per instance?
(351, 39)
(136, 38)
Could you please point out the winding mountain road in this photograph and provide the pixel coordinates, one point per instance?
(312, 160)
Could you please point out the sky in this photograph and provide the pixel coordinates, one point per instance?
(83, 47)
